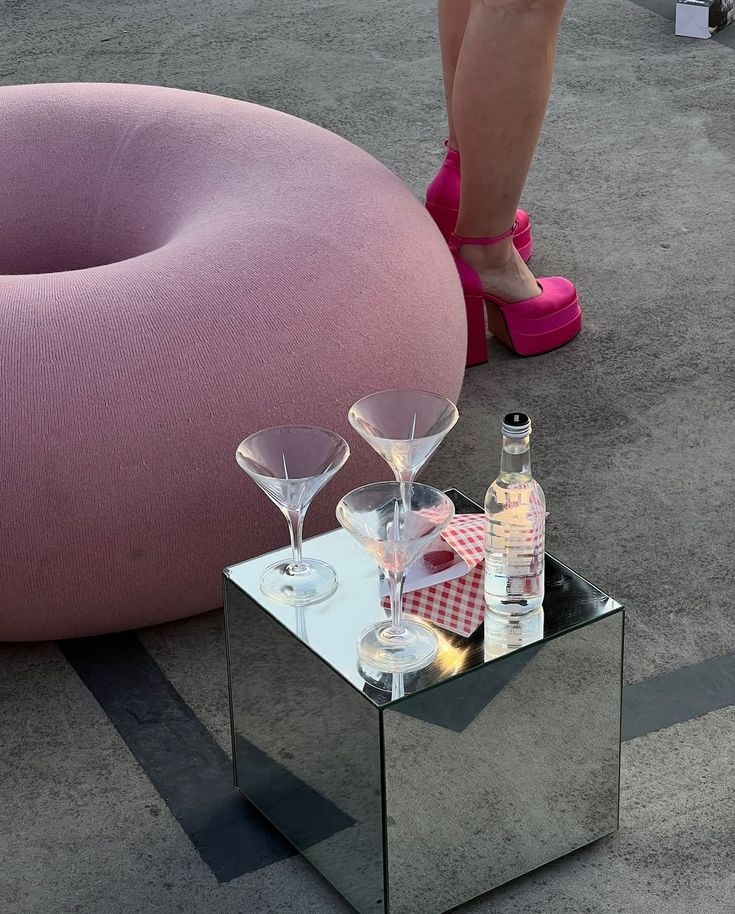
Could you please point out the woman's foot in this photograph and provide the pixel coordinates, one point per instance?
(502, 271)
(530, 316)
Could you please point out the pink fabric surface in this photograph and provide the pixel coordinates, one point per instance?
(178, 270)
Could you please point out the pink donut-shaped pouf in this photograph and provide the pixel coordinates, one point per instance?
(178, 270)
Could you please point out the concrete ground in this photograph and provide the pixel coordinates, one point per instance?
(632, 195)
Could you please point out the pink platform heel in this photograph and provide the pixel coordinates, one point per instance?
(442, 202)
(528, 327)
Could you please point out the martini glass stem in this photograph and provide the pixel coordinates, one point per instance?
(395, 583)
(406, 479)
(398, 689)
(295, 519)
(301, 624)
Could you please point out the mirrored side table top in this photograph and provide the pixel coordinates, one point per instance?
(330, 629)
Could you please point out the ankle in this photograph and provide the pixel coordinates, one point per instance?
(498, 256)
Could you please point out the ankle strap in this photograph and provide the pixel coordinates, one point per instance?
(457, 240)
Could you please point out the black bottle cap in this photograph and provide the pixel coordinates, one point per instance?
(516, 425)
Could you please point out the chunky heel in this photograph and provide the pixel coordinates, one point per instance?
(497, 325)
(476, 333)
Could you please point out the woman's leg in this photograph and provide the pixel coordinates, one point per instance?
(499, 96)
(452, 22)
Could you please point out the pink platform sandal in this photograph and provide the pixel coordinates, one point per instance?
(442, 202)
(528, 327)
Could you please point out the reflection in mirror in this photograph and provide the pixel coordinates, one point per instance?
(453, 656)
(307, 748)
(491, 767)
(505, 635)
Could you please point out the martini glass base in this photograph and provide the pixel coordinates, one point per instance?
(316, 581)
(398, 684)
(379, 649)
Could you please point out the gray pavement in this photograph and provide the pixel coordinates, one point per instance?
(83, 830)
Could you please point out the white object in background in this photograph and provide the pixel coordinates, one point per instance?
(702, 18)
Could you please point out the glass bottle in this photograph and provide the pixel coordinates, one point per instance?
(515, 522)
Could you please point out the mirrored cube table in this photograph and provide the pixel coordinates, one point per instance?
(501, 756)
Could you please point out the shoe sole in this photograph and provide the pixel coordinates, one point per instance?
(522, 343)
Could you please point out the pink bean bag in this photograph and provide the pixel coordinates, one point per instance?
(178, 270)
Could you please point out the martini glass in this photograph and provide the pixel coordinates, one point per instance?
(291, 463)
(395, 522)
(404, 426)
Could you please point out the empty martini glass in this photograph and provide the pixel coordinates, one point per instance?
(404, 426)
(395, 522)
(291, 463)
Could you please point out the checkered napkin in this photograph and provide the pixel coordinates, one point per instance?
(466, 535)
(457, 605)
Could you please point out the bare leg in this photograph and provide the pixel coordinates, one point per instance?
(500, 93)
(452, 22)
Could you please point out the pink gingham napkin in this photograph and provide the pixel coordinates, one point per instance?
(457, 605)
(466, 535)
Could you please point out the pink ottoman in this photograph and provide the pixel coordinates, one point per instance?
(178, 270)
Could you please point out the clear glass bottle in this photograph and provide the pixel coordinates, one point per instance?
(515, 524)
